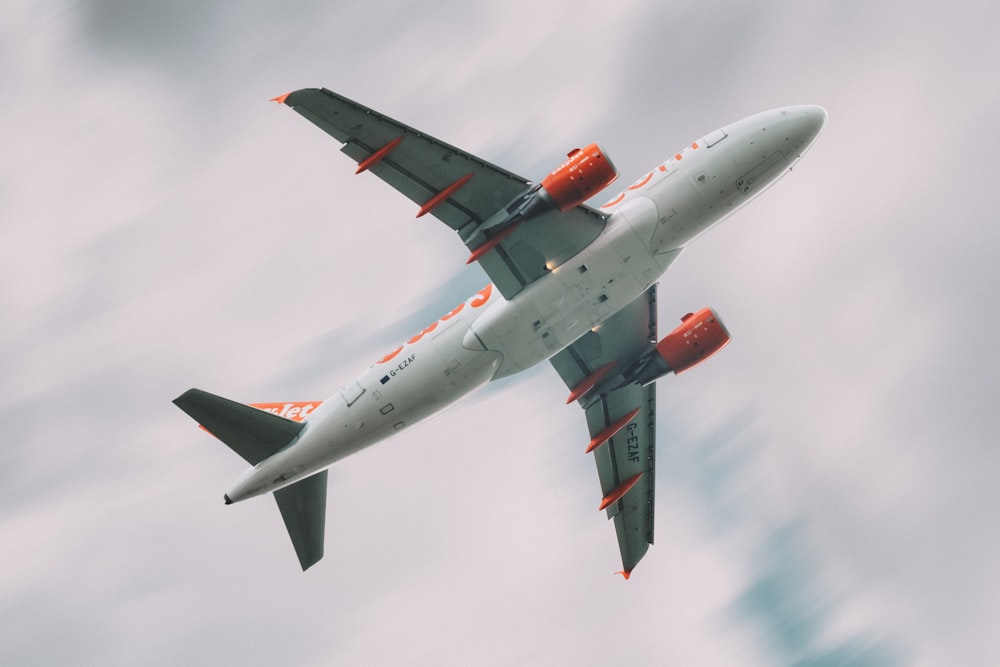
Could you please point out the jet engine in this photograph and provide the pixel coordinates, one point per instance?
(699, 336)
(586, 172)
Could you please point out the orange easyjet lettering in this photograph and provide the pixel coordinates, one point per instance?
(482, 296)
(479, 300)
(294, 411)
(422, 334)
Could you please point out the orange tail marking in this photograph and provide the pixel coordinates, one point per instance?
(294, 411)
(625, 573)
(280, 99)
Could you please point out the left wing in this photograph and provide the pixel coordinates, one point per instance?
(465, 192)
(621, 420)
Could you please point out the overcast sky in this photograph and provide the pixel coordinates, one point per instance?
(826, 486)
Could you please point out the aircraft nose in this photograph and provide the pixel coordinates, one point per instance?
(816, 115)
(804, 123)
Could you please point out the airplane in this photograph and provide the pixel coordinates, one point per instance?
(571, 284)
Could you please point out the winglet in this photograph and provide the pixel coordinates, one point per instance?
(280, 99)
(625, 573)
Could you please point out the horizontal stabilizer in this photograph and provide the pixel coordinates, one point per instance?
(251, 433)
(303, 508)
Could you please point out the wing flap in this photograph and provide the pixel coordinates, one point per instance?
(303, 509)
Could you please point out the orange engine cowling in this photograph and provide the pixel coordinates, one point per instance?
(583, 175)
(699, 336)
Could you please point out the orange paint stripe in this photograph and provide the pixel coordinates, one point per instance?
(641, 182)
(608, 432)
(437, 199)
(489, 245)
(589, 382)
(377, 156)
(616, 495)
(280, 99)
(614, 201)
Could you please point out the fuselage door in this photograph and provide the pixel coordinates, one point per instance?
(710, 140)
(351, 392)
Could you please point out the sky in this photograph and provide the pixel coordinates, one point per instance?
(826, 487)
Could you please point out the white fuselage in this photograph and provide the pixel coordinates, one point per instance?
(488, 337)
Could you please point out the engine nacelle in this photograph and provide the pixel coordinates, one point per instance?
(699, 336)
(583, 175)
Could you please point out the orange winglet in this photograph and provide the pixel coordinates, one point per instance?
(622, 489)
(612, 428)
(625, 573)
(437, 199)
(492, 243)
(377, 156)
(589, 382)
(280, 99)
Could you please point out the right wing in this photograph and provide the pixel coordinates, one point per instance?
(463, 191)
(621, 421)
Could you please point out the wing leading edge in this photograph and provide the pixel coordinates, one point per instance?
(621, 421)
(463, 191)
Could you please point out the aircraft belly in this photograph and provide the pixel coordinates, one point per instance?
(556, 310)
(407, 390)
(394, 396)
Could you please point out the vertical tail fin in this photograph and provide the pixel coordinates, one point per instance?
(303, 508)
